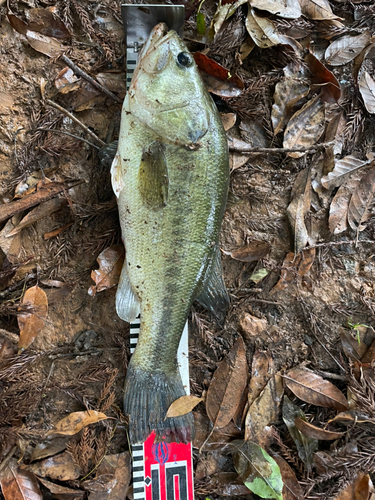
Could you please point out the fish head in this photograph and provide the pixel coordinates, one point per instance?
(167, 93)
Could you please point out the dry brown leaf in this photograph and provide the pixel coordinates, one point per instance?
(317, 9)
(261, 29)
(369, 356)
(305, 127)
(346, 48)
(367, 89)
(6, 103)
(110, 263)
(307, 260)
(338, 210)
(228, 120)
(57, 231)
(67, 81)
(313, 432)
(343, 168)
(361, 201)
(17, 484)
(48, 448)
(292, 489)
(313, 389)
(288, 96)
(264, 410)
(183, 405)
(246, 48)
(358, 489)
(289, 9)
(262, 370)
(323, 78)
(350, 345)
(31, 322)
(252, 252)
(351, 417)
(45, 22)
(115, 82)
(65, 492)
(288, 272)
(60, 467)
(298, 209)
(227, 386)
(76, 421)
(44, 44)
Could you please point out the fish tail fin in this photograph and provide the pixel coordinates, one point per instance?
(148, 395)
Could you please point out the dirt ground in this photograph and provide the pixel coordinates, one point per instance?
(79, 357)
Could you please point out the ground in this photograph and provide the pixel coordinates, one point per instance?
(79, 356)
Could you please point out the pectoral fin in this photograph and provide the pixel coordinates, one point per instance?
(153, 177)
(128, 305)
(116, 175)
(214, 296)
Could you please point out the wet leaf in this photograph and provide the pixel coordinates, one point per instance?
(76, 421)
(313, 432)
(259, 275)
(258, 470)
(43, 21)
(358, 489)
(215, 69)
(317, 9)
(227, 386)
(44, 44)
(288, 272)
(60, 467)
(65, 492)
(298, 209)
(228, 120)
(288, 95)
(183, 405)
(367, 89)
(262, 370)
(110, 263)
(338, 210)
(313, 389)
(252, 252)
(18, 484)
(322, 77)
(291, 489)
(289, 9)
(305, 127)
(343, 168)
(361, 201)
(261, 29)
(264, 410)
(48, 448)
(31, 322)
(306, 446)
(346, 48)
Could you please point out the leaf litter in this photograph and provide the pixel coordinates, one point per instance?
(276, 96)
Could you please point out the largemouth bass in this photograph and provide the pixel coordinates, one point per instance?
(170, 175)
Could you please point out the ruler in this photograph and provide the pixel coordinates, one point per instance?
(161, 471)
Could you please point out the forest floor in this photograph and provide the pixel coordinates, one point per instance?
(297, 246)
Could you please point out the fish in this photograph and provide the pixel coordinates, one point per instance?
(170, 175)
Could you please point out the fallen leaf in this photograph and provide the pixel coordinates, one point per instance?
(291, 489)
(351, 347)
(183, 405)
(370, 354)
(288, 272)
(342, 169)
(361, 201)
(261, 29)
(46, 45)
(367, 89)
(67, 81)
(76, 421)
(252, 252)
(115, 82)
(43, 210)
(324, 78)
(288, 96)
(228, 120)
(307, 260)
(346, 48)
(258, 470)
(352, 417)
(65, 492)
(306, 446)
(223, 12)
(48, 448)
(357, 489)
(262, 370)
(338, 210)
(55, 232)
(264, 410)
(317, 9)
(227, 385)
(210, 463)
(32, 321)
(215, 69)
(115, 468)
(298, 209)
(313, 432)
(45, 22)
(18, 484)
(228, 484)
(110, 263)
(305, 127)
(259, 275)
(289, 9)
(313, 389)
(251, 326)
(210, 438)
(246, 48)
(60, 467)
(6, 103)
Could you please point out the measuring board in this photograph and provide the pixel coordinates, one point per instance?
(161, 471)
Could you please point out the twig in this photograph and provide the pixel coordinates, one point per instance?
(336, 243)
(62, 132)
(83, 74)
(78, 122)
(243, 147)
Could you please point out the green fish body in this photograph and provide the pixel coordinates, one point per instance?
(171, 175)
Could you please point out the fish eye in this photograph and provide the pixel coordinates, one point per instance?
(184, 59)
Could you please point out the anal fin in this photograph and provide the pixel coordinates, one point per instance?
(128, 305)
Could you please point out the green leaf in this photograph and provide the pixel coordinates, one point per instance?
(201, 25)
(259, 275)
(258, 470)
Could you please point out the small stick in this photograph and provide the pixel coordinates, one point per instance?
(78, 122)
(62, 132)
(78, 71)
(246, 148)
(336, 243)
